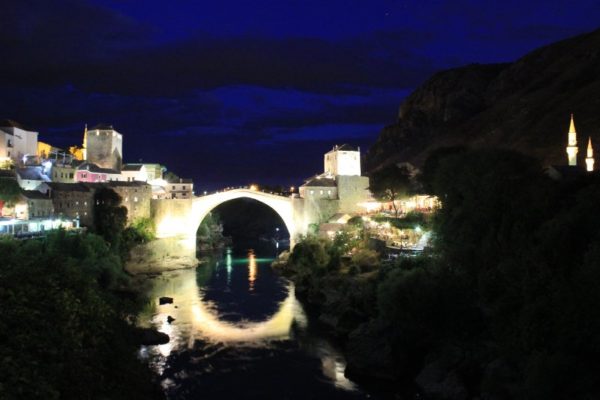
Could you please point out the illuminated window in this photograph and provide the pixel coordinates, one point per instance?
(135, 199)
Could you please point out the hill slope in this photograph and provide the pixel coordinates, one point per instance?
(523, 105)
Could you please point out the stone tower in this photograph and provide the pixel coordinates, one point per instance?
(589, 160)
(342, 160)
(103, 147)
(572, 144)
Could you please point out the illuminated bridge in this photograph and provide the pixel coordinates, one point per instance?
(179, 217)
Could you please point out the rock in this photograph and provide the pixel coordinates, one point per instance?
(369, 355)
(152, 337)
(499, 105)
(499, 381)
(437, 382)
(165, 300)
(170, 319)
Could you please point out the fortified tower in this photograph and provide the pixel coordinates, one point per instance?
(589, 160)
(103, 146)
(342, 160)
(572, 144)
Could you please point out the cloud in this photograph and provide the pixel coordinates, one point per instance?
(99, 50)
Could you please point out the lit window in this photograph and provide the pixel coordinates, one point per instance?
(135, 199)
(126, 198)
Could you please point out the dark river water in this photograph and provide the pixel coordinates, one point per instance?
(240, 333)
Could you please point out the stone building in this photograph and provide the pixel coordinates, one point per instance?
(16, 142)
(135, 196)
(72, 201)
(142, 172)
(37, 204)
(182, 189)
(103, 146)
(319, 188)
(342, 160)
(339, 189)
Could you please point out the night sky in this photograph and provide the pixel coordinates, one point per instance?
(233, 92)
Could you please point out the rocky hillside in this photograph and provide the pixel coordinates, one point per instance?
(523, 105)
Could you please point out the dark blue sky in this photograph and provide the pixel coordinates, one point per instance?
(232, 92)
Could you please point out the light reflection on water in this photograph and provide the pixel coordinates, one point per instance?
(234, 305)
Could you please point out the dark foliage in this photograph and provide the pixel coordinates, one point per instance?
(63, 331)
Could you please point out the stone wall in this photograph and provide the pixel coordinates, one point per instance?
(172, 217)
(104, 148)
(161, 255)
(352, 190)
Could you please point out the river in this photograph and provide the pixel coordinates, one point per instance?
(240, 333)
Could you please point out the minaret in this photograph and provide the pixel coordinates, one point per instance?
(572, 145)
(589, 160)
(84, 142)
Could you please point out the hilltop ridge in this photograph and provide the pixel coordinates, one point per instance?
(524, 105)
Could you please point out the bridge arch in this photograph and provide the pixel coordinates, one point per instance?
(282, 206)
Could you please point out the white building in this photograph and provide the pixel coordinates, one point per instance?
(340, 188)
(134, 172)
(343, 160)
(16, 142)
(30, 178)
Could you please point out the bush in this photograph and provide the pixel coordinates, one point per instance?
(64, 333)
(365, 259)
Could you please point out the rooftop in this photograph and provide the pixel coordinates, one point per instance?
(345, 147)
(318, 181)
(68, 187)
(34, 194)
(94, 168)
(181, 180)
(102, 127)
(132, 167)
(9, 123)
(31, 173)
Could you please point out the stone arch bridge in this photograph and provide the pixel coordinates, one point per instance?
(182, 217)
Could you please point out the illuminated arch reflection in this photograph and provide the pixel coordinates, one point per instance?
(196, 318)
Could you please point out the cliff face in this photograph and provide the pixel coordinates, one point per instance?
(523, 105)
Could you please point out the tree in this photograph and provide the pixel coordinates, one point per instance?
(391, 182)
(9, 191)
(170, 176)
(432, 163)
(110, 217)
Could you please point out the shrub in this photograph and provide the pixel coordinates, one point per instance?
(365, 259)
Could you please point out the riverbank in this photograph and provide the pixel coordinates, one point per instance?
(354, 300)
(343, 303)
